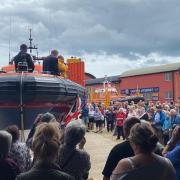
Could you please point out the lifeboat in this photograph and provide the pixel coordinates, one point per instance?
(24, 95)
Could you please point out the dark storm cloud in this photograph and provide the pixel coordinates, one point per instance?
(122, 26)
(113, 27)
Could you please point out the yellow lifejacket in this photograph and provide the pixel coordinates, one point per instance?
(63, 68)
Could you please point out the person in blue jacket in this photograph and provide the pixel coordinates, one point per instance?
(159, 117)
(167, 126)
(85, 115)
(172, 150)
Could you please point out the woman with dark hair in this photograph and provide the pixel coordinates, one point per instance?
(19, 152)
(73, 161)
(145, 164)
(45, 145)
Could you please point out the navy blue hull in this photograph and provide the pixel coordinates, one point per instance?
(9, 115)
(24, 96)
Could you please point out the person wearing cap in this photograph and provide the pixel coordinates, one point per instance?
(23, 57)
(50, 64)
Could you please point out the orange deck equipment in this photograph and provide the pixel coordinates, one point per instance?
(76, 70)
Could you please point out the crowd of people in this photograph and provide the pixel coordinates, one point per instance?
(146, 151)
(162, 119)
(49, 152)
(162, 116)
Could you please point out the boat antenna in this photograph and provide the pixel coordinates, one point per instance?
(31, 47)
(37, 53)
(10, 30)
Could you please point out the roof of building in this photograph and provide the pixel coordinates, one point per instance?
(90, 75)
(113, 79)
(151, 70)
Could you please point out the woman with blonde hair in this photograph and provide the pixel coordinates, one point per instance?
(45, 145)
(131, 112)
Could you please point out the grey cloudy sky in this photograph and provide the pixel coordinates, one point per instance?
(110, 35)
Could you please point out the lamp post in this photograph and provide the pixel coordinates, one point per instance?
(107, 93)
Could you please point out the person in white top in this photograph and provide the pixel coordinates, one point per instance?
(132, 112)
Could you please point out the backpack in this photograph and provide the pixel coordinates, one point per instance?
(23, 62)
(21, 57)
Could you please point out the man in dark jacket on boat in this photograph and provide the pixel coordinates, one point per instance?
(23, 59)
(50, 64)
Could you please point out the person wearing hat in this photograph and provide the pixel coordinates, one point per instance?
(50, 64)
(23, 57)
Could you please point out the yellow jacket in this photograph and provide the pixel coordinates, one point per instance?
(63, 68)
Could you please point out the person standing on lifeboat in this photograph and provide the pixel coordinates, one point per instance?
(23, 61)
(63, 68)
(50, 63)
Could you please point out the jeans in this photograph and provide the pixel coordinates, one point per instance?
(120, 132)
(85, 120)
(110, 126)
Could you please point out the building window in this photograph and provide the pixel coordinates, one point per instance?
(168, 76)
(168, 95)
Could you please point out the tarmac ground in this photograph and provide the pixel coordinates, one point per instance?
(98, 145)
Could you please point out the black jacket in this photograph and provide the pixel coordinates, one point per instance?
(44, 172)
(24, 57)
(8, 169)
(50, 65)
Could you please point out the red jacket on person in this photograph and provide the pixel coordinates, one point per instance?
(120, 117)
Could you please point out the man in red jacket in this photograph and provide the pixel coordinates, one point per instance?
(120, 118)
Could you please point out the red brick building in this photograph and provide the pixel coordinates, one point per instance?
(154, 83)
(157, 83)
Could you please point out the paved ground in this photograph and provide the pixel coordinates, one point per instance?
(99, 146)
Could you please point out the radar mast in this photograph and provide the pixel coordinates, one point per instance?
(31, 47)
